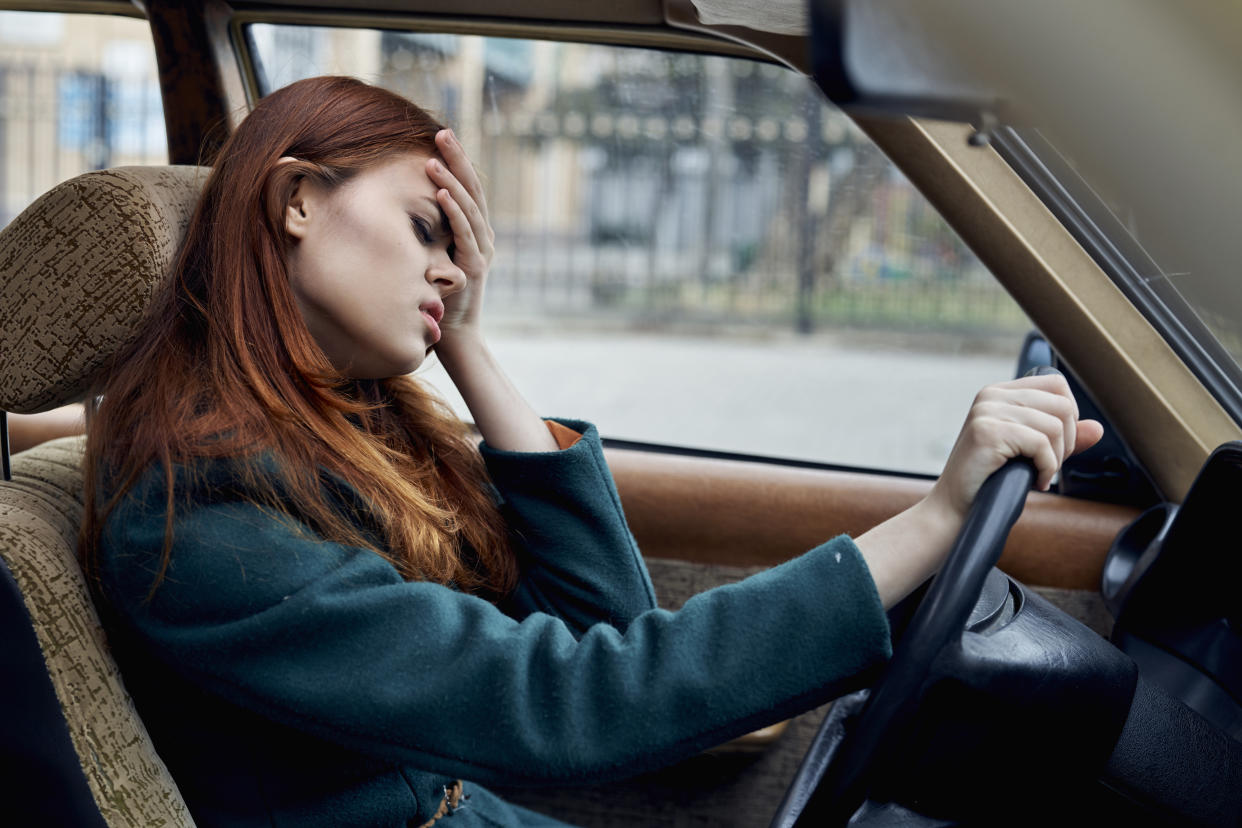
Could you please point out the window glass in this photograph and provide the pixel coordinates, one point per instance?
(1180, 242)
(77, 93)
(697, 250)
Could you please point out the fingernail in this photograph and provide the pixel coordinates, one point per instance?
(452, 137)
(435, 165)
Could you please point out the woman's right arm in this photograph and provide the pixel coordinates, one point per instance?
(500, 412)
(420, 673)
(580, 561)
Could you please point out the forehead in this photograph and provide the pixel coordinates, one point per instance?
(402, 173)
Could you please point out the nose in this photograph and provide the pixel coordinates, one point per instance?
(443, 274)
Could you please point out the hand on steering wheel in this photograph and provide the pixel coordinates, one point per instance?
(829, 793)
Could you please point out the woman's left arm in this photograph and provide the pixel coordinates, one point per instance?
(580, 560)
(504, 418)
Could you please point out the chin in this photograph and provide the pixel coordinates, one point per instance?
(387, 369)
(410, 366)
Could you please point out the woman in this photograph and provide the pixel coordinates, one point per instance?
(330, 605)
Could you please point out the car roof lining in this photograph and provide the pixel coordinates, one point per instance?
(121, 7)
(628, 12)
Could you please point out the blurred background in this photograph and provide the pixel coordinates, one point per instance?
(690, 249)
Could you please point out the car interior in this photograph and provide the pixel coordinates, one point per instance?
(1077, 659)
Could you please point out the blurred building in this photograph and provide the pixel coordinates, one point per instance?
(649, 185)
(77, 92)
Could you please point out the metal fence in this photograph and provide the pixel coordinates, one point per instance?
(56, 123)
(685, 213)
(713, 230)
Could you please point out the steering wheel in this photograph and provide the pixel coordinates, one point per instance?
(835, 774)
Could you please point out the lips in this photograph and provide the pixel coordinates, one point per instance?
(433, 312)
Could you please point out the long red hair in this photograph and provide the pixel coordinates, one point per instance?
(224, 366)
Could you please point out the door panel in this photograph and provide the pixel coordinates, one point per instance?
(752, 514)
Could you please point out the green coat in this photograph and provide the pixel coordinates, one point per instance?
(291, 681)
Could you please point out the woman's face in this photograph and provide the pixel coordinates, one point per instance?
(370, 266)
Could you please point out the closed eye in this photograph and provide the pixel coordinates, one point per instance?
(422, 229)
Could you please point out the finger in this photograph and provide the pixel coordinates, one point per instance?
(1033, 443)
(1051, 427)
(1054, 383)
(463, 234)
(455, 156)
(1087, 434)
(1004, 439)
(1062, 407)
(480, 228)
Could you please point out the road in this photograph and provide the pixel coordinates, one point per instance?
(824, 398)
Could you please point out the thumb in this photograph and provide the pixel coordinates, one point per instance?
(1087, 434)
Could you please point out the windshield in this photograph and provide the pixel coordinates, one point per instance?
(1176, 264)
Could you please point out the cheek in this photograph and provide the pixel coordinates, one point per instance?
(377, 250)
(367, 267)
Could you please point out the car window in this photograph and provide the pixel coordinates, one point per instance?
(78, 92)
(696, 250)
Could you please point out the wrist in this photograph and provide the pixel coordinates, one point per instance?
(908, 548)
(938, 518)
(459, 342)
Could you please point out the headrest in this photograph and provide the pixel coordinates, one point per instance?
(77, 270)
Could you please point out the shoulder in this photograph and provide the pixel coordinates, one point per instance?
(230, 554)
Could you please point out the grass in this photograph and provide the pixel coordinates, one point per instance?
(904, 305)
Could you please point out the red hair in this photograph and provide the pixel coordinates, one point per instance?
(224, 365)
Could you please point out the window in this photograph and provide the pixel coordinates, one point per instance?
(77, 93)
(697, 250)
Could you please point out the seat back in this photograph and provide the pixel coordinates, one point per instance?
(107, 753)
(77, 270)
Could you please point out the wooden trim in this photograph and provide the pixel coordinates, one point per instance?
(750, 514)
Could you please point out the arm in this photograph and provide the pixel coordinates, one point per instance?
(329, 640)
(581, 562)
(28, 430)
(1034, 417)
(502, 415)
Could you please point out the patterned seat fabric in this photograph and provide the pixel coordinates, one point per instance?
(77, 270)
(40, 509)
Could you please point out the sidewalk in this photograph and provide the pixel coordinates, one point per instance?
(821, 398)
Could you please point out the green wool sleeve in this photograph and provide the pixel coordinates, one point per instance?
(580, 561)
(330, 640)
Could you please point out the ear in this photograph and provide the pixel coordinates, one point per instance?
(291, 191)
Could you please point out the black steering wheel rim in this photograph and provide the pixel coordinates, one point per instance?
(827, 793)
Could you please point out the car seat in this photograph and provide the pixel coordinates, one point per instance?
(77, 270)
